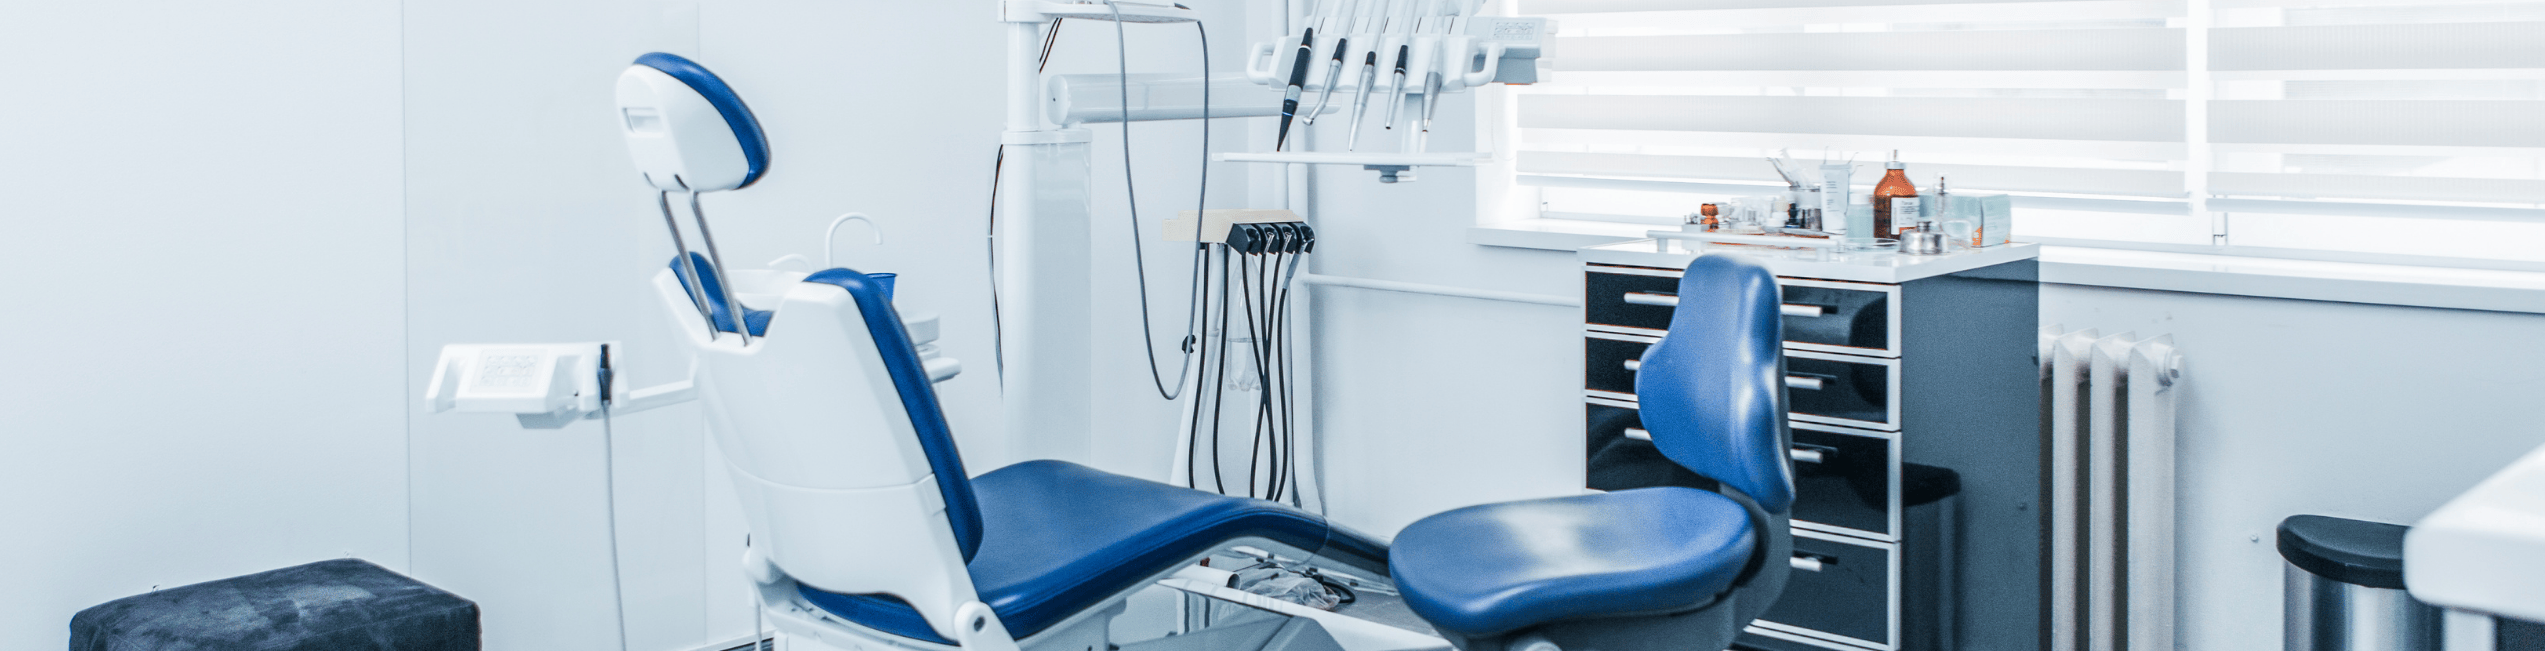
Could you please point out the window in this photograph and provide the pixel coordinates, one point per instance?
(2395, 130)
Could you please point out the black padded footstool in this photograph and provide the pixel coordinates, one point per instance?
(340, 605)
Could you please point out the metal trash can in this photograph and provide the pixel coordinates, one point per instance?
(2346, 588)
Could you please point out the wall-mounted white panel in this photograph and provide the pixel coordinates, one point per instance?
(204, 375)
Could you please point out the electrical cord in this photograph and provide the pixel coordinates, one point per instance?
(1131, 201)
(1290, 414)
(1219, 383)
(610, 493)
(998, 330)
(1277, 394)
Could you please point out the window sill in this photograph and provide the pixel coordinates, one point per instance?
(2346, 282)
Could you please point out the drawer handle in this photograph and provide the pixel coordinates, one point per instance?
(1790, 309)
(1805, 383)
(1633, 365)
(1639, 434)
(1807, 455)
(1648, 298)
(1808, 562)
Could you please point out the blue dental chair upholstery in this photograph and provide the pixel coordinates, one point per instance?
(1047, 540)
(1649, 568)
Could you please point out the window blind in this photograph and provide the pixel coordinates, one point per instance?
(2380, 115)
(2296, 124)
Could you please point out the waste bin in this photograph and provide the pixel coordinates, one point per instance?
(2346, 588)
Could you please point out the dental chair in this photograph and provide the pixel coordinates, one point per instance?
(1649, 568)
(868, 532)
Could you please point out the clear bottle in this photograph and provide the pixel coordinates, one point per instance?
(1894, 185)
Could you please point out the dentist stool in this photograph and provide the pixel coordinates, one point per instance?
(1648, 568)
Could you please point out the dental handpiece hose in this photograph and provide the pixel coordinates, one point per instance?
(1361, 98)
(1298, 78)
(1334, 73)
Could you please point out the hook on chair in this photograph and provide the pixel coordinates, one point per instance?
(832, 261)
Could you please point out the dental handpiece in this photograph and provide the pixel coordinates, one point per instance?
(1431, 99)
(1361, 98)
(1298, 78)
(1334, 72)
(1396, 91)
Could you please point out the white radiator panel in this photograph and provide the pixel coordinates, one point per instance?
(2108, 408)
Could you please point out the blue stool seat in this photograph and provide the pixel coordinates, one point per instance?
(1059, 538)
(1492, 569)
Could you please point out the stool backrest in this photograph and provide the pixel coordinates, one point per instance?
(1712, 392)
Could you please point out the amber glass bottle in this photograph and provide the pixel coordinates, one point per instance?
(1894, 185)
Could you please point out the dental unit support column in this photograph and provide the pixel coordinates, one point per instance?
(1045, 286)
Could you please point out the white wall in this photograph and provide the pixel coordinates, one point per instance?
(203, 370)
(526, 222)
(2360, 411)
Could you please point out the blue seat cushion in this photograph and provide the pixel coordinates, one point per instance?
(1058, 538)
(1493, 569)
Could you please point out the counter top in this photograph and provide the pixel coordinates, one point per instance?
(1886, 268)
(2485, 550)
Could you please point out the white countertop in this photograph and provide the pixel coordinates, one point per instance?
(2485, 550)
(1886, 268)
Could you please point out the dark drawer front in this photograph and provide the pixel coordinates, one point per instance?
(1837, 317)
(1849, 595)
(1617, 459)
(1606, 303)
(1842, 480)
(1812, 315)
(1606, 364)
(1850, 390)
(1847, 486)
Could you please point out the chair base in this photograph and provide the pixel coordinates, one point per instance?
(809, 628)
(1710, 627)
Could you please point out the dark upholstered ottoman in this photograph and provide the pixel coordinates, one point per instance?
(340, 605)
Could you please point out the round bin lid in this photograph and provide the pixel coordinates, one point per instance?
(2350, 551)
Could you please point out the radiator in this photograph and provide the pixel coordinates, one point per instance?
(2108, 407)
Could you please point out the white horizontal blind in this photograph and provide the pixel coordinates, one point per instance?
(2331, 125)
(2392, 116)
(2077, 104)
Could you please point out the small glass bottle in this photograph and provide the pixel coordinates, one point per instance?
(1894, 185)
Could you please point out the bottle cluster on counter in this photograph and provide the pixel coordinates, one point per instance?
(1820, 202)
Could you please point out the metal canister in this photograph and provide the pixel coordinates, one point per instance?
(2346, 589)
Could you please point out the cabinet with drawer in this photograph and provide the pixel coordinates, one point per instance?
(1913, 401)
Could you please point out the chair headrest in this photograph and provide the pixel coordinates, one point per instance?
(686, 128)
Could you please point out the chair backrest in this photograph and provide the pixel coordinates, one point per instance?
(1712, 392)
(847, 473)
